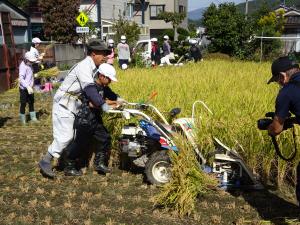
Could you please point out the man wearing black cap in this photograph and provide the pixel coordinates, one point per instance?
(287, 74)
(66, 102)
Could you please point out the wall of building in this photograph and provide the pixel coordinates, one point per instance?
(110, 9)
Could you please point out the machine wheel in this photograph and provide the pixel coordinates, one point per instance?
(158, 168)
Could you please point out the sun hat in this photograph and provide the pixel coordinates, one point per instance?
(36, 40)
(166, 37)
(153, 39)
(108, 71)
(30, 57)
(123, 37)
(110, 41)
(98, 45)
(282, 64)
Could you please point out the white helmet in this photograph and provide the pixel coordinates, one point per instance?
(124, 66)
(108, 71)
(153, 39)
(193, 41)
(123, 37)
(110, 41)
(166, 37)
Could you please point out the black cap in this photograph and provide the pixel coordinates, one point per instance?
(98, 45)
(282, 64)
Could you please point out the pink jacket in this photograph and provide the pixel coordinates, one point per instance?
(111, 57)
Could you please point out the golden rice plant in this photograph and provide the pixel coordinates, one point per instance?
(187, 183)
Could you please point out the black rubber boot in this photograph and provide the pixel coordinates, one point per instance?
(100, 163)
(70, 169)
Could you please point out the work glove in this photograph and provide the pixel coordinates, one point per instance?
(129, 60)
(121, 101)
(30, 90)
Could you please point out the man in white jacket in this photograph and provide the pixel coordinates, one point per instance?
(66, 102)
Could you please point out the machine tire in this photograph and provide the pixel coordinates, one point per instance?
(158, 167)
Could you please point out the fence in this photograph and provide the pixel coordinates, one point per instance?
(62, 55)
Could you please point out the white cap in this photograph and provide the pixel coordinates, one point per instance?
(153, 39)
(166, 37)
(108, 71)
(36, 40)
(124, 66)
(123, 37)
(30, 57)
(193, 41)
(110, 41)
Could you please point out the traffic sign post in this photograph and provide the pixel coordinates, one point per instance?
(80, 30)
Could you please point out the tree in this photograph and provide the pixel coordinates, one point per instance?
(60, 19)
(175, 18)
(20, 3)
(130, 29)
(227, 28)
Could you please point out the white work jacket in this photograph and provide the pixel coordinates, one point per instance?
(80, 76)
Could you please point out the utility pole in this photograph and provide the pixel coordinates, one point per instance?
(143, 11)
(99, 23)
(246, 9)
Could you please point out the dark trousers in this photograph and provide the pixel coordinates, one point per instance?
(123, 61)
(83, 139)
(24, 99)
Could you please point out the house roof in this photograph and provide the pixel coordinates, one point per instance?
(16, 9)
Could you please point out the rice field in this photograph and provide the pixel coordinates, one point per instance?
(237, 94)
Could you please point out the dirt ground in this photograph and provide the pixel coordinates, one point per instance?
(26, 197)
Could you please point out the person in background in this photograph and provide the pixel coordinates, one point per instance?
(166, 52)
(123, 53)
(26, 81)
(155, 52)
(33, 49)
(66, 102)
(93, 127)
(287, 74)
(195, 52)
(111, 57)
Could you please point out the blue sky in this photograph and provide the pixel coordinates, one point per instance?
(196, 4)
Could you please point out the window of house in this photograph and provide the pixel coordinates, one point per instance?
(181, 9)
(155, 10)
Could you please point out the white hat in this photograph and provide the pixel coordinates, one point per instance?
(193, 41)
(166, 37)
(30, 57)
(36, 40)
(108, 71)
(123, 37)
(153, 39)
(110, 41)
(124, 66)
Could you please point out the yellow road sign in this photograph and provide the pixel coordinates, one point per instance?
(82, 19)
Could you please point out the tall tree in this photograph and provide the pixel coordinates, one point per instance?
(60, 19)
(227, 28)
(175, 18)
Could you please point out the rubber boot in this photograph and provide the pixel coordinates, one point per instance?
(70, 169)
(100, 163)
(22, 119)
(33, 117)
(46, 168)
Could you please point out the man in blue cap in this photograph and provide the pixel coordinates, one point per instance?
(287, 74)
